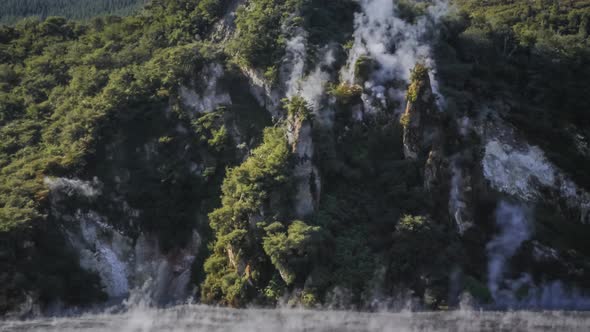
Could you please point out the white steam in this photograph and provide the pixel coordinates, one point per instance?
(211, 319)
(394, 44)
(211, 97)
(514, 230)
(548, 296)
(311, 87)
(314, 85)
(522, 292)
(62, 188)
(294, 63)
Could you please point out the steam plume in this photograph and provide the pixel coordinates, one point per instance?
(394, 44)
(514, 230)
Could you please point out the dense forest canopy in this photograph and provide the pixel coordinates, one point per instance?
(12, 11)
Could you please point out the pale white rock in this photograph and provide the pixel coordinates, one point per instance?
(516, 171)
(514, 167)
(103, 251)
(124, 266)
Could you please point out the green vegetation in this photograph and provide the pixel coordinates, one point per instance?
(478, 290)
(368, 190)
(63, 81)
(529, 61)
(262, 27)
(346, 93)
(532, 55)
(70, 92)
(418, 77)
(13, 10)
(288, 250)
(297, 108)
(238, 261)
(258, 41)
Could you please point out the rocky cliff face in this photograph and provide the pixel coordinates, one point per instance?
(124, 261)
(420, 117)
(305, 174)
(424, 139)
(514, 167)
(490, 162)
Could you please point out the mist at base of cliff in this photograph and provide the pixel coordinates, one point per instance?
(205, 318)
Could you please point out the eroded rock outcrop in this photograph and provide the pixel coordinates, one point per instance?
(420, 119)
(305, 174)
(423, 138)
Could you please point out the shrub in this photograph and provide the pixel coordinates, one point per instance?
(346, 94)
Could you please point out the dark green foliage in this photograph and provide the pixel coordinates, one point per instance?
(363, 68)
(263, 24)
(238, 263)
(13, 10)
(258, 41)
(478, 290)
(422, 248)
(289, 251)
(532, 55)
(529, 61)
(37, 261)
(68, 94)
(102, 99)
(297, 108)
(61, 82)
(328, 21)
(366, 187)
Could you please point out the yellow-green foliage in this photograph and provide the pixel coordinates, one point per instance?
(418, 76)
(404, 119)
(346, 93)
